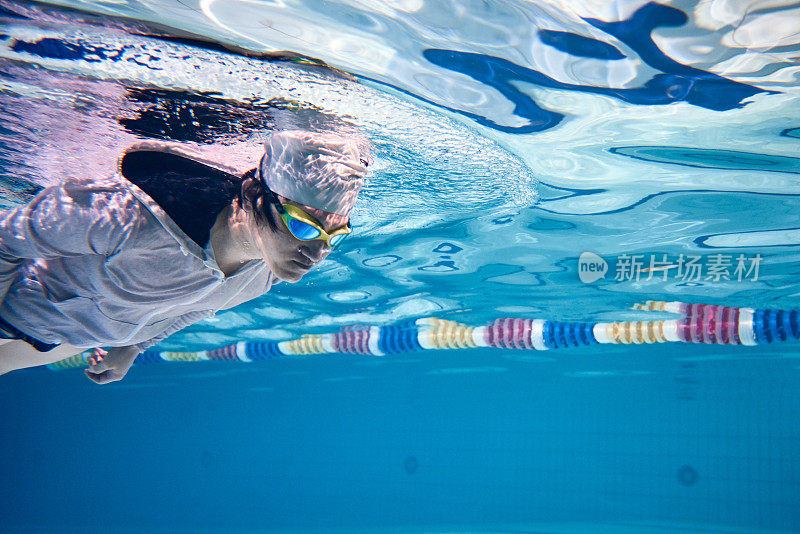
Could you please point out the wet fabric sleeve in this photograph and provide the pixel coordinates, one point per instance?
(65, 220)
(177, 325)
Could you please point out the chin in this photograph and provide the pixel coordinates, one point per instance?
(291, 275)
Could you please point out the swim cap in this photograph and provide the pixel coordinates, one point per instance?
(322, 170)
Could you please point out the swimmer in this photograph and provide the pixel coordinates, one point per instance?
(167, 241)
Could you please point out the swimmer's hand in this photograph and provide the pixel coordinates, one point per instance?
(110, 365)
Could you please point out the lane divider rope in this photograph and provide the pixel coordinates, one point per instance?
(699, 323)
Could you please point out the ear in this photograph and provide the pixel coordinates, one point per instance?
(250, 193)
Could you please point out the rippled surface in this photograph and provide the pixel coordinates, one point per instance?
(511, 137)
(655, 129)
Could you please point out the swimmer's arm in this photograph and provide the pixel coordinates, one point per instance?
(251, 290)
(177, 325)
(111, 365)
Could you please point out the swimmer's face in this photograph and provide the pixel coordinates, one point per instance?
(286, 256)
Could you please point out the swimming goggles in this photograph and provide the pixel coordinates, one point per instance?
(306, 228)
(299, 223)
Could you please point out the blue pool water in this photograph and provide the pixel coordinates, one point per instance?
(510, 138)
